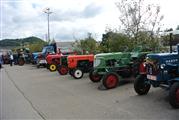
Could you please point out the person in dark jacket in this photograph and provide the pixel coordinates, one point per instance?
(1, 61)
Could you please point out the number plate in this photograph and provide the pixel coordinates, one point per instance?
(151, 77)
(42, 61)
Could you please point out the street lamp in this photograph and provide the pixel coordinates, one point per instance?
(48, 12)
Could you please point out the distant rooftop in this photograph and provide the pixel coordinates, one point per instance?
(175, 32)
(65, 44)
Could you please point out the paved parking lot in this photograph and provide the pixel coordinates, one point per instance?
(31, 93)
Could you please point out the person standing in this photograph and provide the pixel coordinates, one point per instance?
(1, 61)
(11, 59)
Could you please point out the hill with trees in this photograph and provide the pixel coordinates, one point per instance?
(12, 43)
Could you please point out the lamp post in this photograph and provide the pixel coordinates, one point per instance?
(48, 12)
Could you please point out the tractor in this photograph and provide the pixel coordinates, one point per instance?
(22, 56)
(161, 70)
(6, 57)
(38, 58)
(111, 68)
(54, 60)
(79, 64)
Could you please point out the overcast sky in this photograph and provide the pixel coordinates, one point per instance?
(70, 18)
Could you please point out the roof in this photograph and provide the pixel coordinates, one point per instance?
(65, 44)
(174, 32)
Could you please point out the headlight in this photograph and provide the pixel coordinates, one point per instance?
(144, 64)
(162, 66)
(96, 62)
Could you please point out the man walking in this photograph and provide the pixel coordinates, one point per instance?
(11, 59)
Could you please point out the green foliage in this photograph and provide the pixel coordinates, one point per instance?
(147, 41)
(33, 43)
(36, 47)
(115, 42)
(141, 22)
(87, 45)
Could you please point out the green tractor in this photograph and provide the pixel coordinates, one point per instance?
(110, 68)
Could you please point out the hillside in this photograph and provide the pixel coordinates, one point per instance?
(11, 43)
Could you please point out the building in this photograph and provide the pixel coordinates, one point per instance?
(65, 44)
(175, 39)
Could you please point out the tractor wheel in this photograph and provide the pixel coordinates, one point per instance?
(174, 95)
(38, 66)
(52, 67)
(77, 73)
(6, 61)
(63, 70)
(94, 77)
(110, 80)
(44, 65)
(47, 66)
(140, 85)
(71, 72)
(21, 62)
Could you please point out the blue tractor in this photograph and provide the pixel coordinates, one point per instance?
(162, 70)
(38, 58)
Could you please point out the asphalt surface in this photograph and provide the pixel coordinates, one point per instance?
(30, 93)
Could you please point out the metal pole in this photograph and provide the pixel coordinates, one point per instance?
(48, 29)
(170, 42)
(47, 11)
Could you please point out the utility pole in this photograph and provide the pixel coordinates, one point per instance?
(171, 38)
(48, 12)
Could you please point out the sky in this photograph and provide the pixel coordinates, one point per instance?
(71, 19)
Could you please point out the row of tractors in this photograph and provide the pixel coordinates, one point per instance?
(20, 56)
(145, 68)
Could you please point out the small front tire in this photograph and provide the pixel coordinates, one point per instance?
(77, 74)
(94, 77)
(52, 67)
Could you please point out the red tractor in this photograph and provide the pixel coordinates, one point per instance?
(54, 60)
(79, 64)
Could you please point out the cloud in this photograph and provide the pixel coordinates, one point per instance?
(24, 18)
(89, 11)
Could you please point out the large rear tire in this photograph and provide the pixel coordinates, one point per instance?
(62, 70)
(21, 62)
(141, 87)
(78, 73)
(174, 95)
(94, 77)
(110, 80)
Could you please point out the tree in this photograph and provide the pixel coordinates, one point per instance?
(37, 47)
(86, 45)
(138, 17)
(115, 42)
